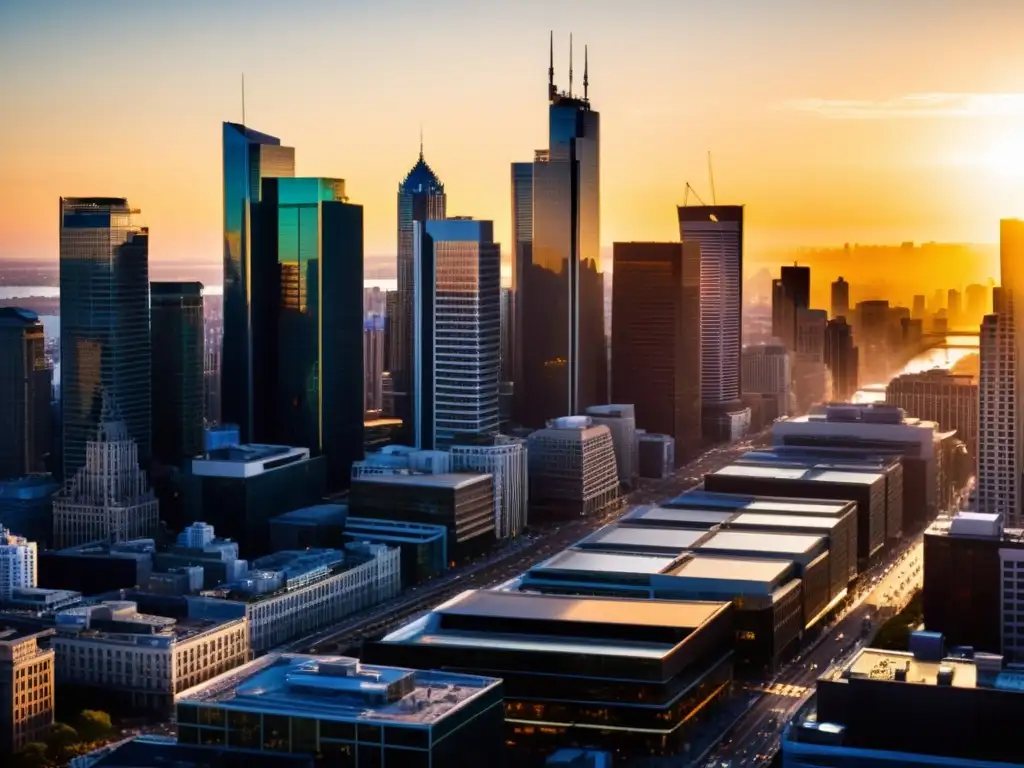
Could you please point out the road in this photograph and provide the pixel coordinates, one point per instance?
(754, 738)
(513, 558)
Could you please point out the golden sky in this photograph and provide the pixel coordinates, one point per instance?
(875, 121)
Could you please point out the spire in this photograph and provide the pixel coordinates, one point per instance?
(551, 68)
(421, 141)
(586, 79)
(570, 65)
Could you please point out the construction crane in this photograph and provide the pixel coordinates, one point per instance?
(711, 180)
(686, 195)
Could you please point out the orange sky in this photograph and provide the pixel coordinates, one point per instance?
(877, 121)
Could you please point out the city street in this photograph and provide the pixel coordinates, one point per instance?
(514, 558)
(754, 738)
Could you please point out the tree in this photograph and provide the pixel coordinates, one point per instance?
(93, 724)
(61, 738)
(33, 755)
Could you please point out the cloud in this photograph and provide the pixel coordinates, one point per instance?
(914, 105)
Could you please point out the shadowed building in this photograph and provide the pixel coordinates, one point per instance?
(26, 382)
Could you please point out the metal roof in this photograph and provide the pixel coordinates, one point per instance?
(688, 517)
(724, 568)
(606, 562)
(810, 522)
(740, 502)
(761, 541)
(453, 480)
(641, 538)
(797, 473)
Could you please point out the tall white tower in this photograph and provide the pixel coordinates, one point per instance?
(18, 563)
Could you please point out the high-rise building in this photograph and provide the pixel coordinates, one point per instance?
(767, 371)
(213, 339)
(176, 324)
(19, 563)
(949, 399)
(249, 157)
(108, 498)
(917, 311)
(841, 358)
(656, 353)
(841, 299)
(953, 307)
(874, 340)
(457, 331)
(308, 270)
(390, 310)
(559, 299)
(718, 230)
(26, 383)
(504, 458)
(978, 303)
(620, 418)
(797, 281)
(104, 323)
(522, 256)
(421, 197)
(373, 363)
(1011, 268)
(783, 314)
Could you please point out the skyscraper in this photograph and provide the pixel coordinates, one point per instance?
(797, 281)
(373, 363)
(104, 322)
(655, 349)
(26, 382)
(308, 271)
(522, 256)
(176, 324)
(19, 563)
(718, 229)
(421, 197)
(561, 353)
(457, 337)
(841, 299)
(841, 358)
(249, 158)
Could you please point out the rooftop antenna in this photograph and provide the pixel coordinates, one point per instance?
(711, 178)
(243, 99)
(570, 65)
(421, 141)
(551, 68)
(586, 79)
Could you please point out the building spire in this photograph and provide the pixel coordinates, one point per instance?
(551, 68)
(586, 79)
(421, 141)
(570, 65)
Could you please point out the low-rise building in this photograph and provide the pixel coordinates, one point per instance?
(351, 714)
(26, 687)
(504, 458)
(655, 455)
(424, 548)
(573, 471)
(143, 661)
(199, 546)
(93, 569)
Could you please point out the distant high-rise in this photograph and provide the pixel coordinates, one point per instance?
(841, 359)
(797, 281)
(718, 229)
(783, 315)
(457, 322)
(373, 363)
(949, 399)
(308, 272)
(767, 371)
(977, 302)
(561, 353)
(26, 383)
(841, 299)
(249, 157)
(19, 563)
(522, 256)
(421, 197)
(656, 353)
(104, 322)
(917, 311)
(108, 498)
(176, 323)
(953, 307)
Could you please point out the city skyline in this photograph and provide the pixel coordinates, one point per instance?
(912, 145)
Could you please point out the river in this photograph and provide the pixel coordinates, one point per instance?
(957, 348)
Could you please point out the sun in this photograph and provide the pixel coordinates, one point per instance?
(1005, 157)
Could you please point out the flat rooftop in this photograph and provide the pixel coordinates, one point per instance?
(725, 568)
(318, 513)
(761, 541)
(882, 665)
(246, 460)
(741, 502)
(808, 522)
(689, 518)
(453, 480)
(606, 562)
(339, 688)
(844, 477)
(649, 538)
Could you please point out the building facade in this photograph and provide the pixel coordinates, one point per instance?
(572, 468)
(504, 459)
(841, 357)
(950, 400)
(26, 689)
(998, 454)
(176, 325)
(767, 371)
(456, 331)
(109, 498)
(26, 389)
(373, 364)
(19, 563)
(249, 157)
(1011, 311)
(841, 299)
(656, 353)
(104, 323)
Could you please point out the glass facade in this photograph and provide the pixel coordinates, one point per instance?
(308, 287)
(559, 287)
(457, 331)
(104, 323)
(421, 197)
(249, 157)
(26, 382)
(176, 324)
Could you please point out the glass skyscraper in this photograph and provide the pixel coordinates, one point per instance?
(421, 197)
(457, 321)
(308, 287)
(249, 157)
(104, 323)
(26, 383)
(559, 287)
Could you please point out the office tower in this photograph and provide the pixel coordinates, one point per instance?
(950, 400)
(213, 337)
(656, 350)
(997, 455)
(390, 308)
(841, 299)
(26, 384)
(917, 311)
(797, 281)
(504, 459)
(953, 307)
(767, 372)
(19, 563)
(421, 197)
(874, 340)
(26, 670)
(573, 472)
(783, 315)
(841, 359)
(373, 363)
(719, 232)
(522, 256)
(457, 330)
(308, 270)
(107, 499)
(506, 334)
(620, 418)
(976, 298)
(104, 323)
(559, 301)
(176, 324)
(249, 157)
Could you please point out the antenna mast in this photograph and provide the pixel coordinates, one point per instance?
(570, 65)
(243, 99)
(551, 68)
(586, 79)
(711, 178)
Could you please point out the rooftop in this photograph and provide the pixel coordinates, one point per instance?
(318, 513)
(882, 665)
(799, 473)
(761, 541)
(18, 316)
(453, 480)
(339, 688)
(809, 522)
(725, 568)
(649, 538)
(690, 518)
(606, 562)
(246, 460)
(740, 502)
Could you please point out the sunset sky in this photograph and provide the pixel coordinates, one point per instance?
(870, 121)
